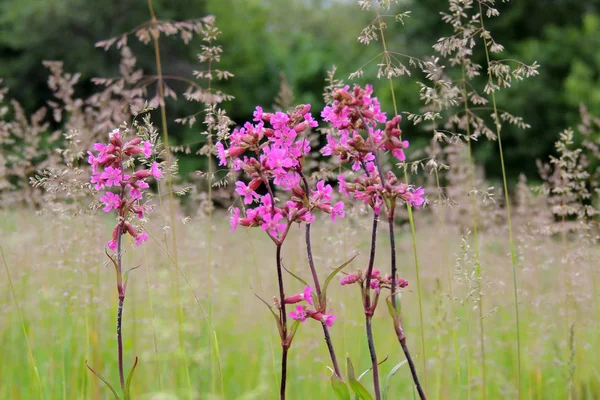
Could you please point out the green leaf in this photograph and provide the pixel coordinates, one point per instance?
(330, 277)
(367, 371)
(103, 379)
(293, 330)
(295, 276)
(272, 312)
(129, 377)
(355, 385)
(389, 377)
(339, 387)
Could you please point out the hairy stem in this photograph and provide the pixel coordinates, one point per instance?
(398, 321)
(513, 256)
(369, 311)
(317, 284)
(283, 318)
(374, 365)
(120, 341)
(413, 370)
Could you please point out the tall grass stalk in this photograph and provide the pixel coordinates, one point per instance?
(22, 320)
(410, 213)
(173, 222)
(513, 256)
(475, 236)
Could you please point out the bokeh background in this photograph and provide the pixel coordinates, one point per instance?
(302, 39)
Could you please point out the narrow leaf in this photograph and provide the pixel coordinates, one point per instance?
(272, 312)
(293, 330)
(295, 276)
(129, 377)
(355, 385)
(331, 276)
(367, 371)
(103, 379)
(389, 377)
(339, 387)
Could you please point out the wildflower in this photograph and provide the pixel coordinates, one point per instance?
(111, 201)
(299, 314)
(156, 172)
(350, 279)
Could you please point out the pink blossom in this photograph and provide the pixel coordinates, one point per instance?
(147, 149)
(221, 155)
(350, 279)
(307, 294)
(415, 198)
(140, 238)
(323, 193)
(111, 201)
(337, 211)
(111, 176)
(246, 191)
(112, 245)
(299, 314)
(234, 219)
(272, 225)
(258, 114)
(156, 172)
(329, 319)
(375, 285)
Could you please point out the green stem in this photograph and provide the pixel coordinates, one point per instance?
(513, 256)
(29, 351)
(476, 240)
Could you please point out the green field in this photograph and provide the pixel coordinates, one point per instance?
(67, 300)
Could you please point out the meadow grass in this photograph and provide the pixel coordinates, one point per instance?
(67, 299)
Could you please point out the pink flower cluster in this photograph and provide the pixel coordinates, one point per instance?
(107, 171)
(271, 151)
(376, 282)
(302, 312)
(351, 113)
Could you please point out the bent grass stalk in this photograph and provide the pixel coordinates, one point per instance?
(22, 320)
(410, 215)
(513, 257)
(475, 238)
(173, 223)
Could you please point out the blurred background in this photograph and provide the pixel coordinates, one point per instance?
(264, 40)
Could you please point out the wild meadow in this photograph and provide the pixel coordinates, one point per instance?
(338, 245)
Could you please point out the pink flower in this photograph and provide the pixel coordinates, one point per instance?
(112, 245)
(140, 238)
(350, 279)
(111, 176)
(415, 198)
(323, 193)
(258, 114)
(221, 155)
(337, 211)
(307, 295)
(375, 285)
(156, 172)
(271, 224)
(234, 219)
(246, 191)
(299, 314)
(329, 319)
(110, 201)
(147, 149)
